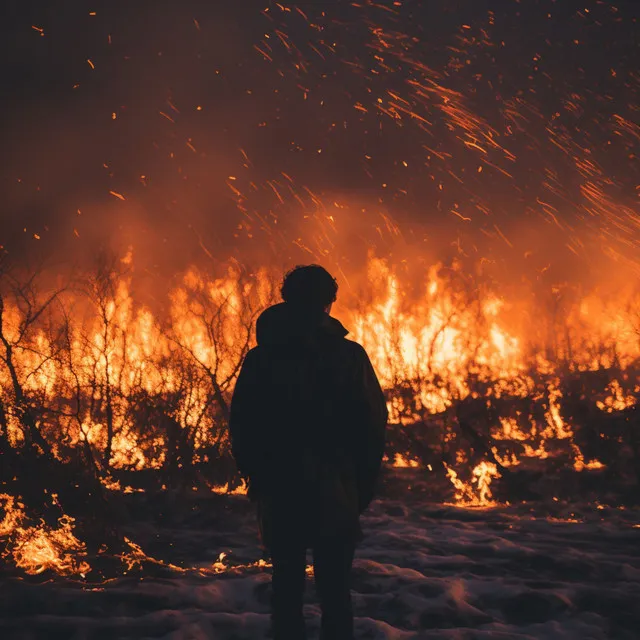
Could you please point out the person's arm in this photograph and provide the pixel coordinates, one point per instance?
(373, 421)
(243, 419)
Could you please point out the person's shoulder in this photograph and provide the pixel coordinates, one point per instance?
(353, 348)
(252, 355)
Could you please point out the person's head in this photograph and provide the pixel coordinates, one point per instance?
(309, 287)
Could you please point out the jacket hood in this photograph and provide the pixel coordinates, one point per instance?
(285, 324)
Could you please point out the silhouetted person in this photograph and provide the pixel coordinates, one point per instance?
(307, 428)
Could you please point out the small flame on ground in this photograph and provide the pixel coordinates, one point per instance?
(40, 548)
(579, 463)
(223, 489)
(402, 462)
(476, 493)
(617, 399)
(136, 557)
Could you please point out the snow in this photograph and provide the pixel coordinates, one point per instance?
(424, 570)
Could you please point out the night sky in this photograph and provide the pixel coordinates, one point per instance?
(217, 128)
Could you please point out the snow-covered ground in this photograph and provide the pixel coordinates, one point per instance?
(423, 571)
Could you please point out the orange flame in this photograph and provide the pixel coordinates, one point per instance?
(41, 548)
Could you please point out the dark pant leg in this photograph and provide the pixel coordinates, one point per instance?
(332, 560)
(289, 563)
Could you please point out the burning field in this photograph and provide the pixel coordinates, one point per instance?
(470, 174)
(114, 420)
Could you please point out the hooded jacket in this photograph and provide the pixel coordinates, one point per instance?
(308, 416)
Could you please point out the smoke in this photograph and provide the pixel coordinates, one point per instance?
(485, 131)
